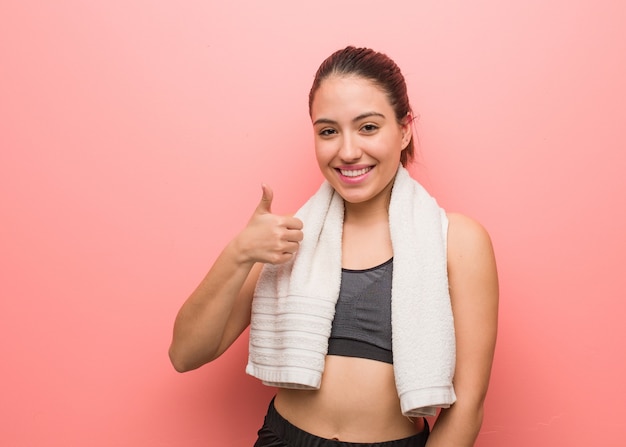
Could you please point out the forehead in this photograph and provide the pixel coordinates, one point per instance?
(348, 94)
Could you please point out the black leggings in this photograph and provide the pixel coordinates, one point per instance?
(278, 432)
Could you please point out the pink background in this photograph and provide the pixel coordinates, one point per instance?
(134, 138)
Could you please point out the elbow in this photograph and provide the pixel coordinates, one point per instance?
(183, 362)
(180, 367)
(471, 411)
(179, 362)
(176, 362)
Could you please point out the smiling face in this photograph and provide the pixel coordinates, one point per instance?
(358, 140)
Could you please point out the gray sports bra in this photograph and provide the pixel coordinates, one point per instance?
(362, 323)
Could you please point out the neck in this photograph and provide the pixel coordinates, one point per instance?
(372, 210)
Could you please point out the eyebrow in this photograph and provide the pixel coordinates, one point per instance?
(358, 118)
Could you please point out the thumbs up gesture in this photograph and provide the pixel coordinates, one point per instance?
(268, 237)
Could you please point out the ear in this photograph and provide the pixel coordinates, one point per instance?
(407, 130)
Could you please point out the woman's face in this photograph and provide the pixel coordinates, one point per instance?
(357, 138)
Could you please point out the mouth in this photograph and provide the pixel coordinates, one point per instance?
(353, 173)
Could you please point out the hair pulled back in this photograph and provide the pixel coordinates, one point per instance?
(378, 68)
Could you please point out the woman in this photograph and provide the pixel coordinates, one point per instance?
(362, 122)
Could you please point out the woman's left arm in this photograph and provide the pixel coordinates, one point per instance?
(473, 284)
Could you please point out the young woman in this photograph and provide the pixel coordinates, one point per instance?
(362, 374)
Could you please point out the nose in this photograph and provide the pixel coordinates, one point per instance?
(350, 150)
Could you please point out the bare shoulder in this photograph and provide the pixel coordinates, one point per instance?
(471, 259)
(467, 237)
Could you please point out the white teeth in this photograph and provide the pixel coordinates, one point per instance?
(354, 173)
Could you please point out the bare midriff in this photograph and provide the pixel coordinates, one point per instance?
(357, 402)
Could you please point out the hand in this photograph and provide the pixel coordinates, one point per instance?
(268, 237)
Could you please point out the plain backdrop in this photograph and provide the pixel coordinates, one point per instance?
(135, 135)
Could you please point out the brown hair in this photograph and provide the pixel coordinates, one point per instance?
(378, 68)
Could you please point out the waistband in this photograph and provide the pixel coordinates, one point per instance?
(292, 435)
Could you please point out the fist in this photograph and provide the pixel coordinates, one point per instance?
(268, 237)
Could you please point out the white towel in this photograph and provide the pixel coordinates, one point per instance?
(294, 303)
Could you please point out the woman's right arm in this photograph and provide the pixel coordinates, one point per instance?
(218, 311)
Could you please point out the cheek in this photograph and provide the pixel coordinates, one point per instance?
(323, 151)
(386, 148)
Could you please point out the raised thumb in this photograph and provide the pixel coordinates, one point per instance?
(265, 205)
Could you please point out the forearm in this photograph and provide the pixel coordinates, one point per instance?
(218, 310)
(202, 324)
(457, 426)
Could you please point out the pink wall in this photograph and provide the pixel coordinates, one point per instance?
(134, 137)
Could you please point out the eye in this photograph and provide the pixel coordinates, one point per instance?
(327, 132)
(369, 128)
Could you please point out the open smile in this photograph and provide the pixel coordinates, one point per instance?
(354, 175)
(355, 172)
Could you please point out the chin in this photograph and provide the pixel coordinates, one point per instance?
(349, 197)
